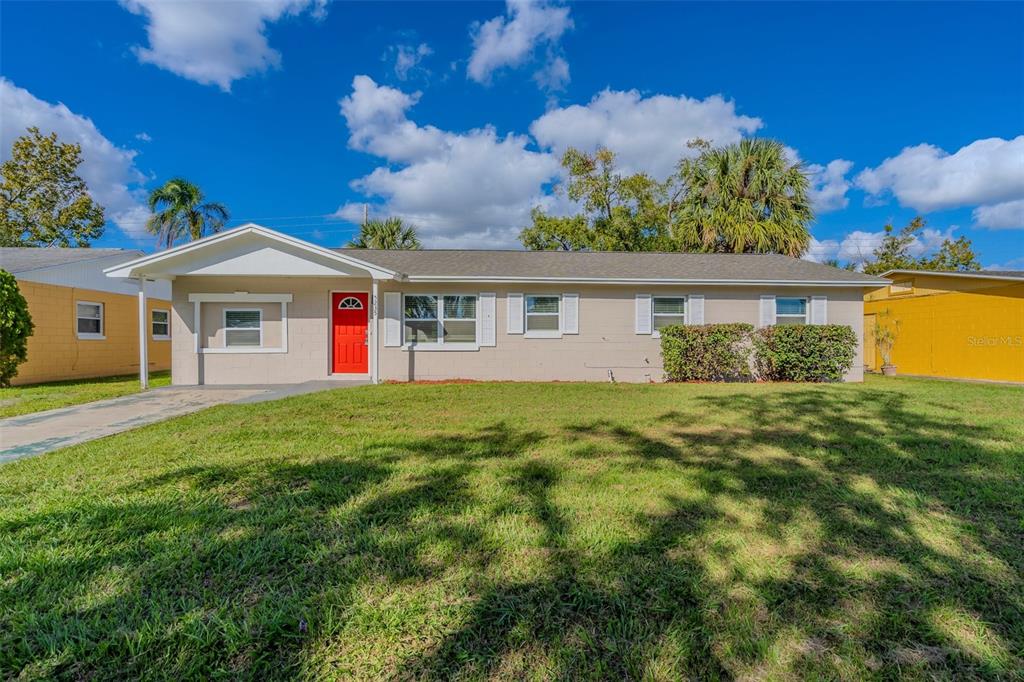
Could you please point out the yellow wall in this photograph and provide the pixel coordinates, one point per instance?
(973, 329)
(54, 350)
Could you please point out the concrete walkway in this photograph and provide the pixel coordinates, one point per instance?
(39, 432)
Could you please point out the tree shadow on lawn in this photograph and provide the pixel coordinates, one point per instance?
(820, 533)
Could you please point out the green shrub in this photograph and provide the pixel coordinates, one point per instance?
(15, 328)
(804, 352)
(712, 352)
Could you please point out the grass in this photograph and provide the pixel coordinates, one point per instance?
(18, 400)
(531, 531)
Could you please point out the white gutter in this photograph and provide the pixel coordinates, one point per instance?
(661, 282)
(938, 273)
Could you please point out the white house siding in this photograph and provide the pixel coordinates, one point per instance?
(606, 339)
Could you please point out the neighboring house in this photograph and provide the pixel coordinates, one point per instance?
(962, 325)
(252, 305)
(86, 324)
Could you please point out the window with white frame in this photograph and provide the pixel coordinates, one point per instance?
(904, 287)
(430, 318)
(790, 310)
(243, 327)
(667, 311)
(542, 315)
(89, 320)
(160, 321)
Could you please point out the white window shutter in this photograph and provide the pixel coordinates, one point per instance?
(695, 309)
(570, 313)
(392, 318)
(767, 311)
(515, 313)
(643, 313)
(819, 310)
(485, 320)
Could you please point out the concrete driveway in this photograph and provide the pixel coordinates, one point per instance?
(40, 432)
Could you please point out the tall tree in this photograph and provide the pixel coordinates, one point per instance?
(743, 198)
(180, 210)
(894, 253)
(43, 201)
(390, 233)
(617, 212)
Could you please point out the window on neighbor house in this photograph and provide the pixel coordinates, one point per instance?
(430, 318)
(667, 311)
(243, 327)
(89, 320)
(790, 311)
(161, 324)
(542, 315)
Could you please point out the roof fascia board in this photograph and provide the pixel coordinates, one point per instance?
(594, 280)
(969, 275)
(126, 269)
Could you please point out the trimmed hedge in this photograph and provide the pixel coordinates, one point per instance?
(804, 352)
(725, 352)
(712, 352)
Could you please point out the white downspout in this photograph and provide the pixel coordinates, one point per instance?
(375, 349)
(143, 345)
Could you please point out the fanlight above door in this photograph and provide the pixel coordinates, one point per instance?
(350, 303)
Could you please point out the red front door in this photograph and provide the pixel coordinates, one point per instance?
(349, 328)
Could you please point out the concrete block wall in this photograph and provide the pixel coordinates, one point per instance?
(55, 352)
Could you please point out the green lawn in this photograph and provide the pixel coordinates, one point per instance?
(38, 397)
(531, 531)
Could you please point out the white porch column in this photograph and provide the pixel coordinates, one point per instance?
(374, 347)
(143, 345)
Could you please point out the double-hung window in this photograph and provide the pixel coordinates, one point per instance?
(790, 310)
(430, 319)
(667, 311)
(243, 327)
(161, 324)
(89, 320)
(543, 315)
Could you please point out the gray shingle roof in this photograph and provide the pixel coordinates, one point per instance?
(614, 265)
(15, 259)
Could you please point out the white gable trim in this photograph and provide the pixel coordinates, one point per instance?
(147, 265)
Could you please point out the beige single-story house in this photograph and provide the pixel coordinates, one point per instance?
(252, 305)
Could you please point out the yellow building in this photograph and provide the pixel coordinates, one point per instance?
(963, 325)
(86, 324)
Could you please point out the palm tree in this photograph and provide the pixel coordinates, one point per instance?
(179, 210)
(390, 233)
(744, 198)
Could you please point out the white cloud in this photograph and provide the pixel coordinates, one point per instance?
(408, 58)
(214, 42)
(475, 187)
(821, 251)
(143, 137)
(1008, 215)
(829, 185)
(553, 76)
(647, 133)
(108, 170)
(859, 246)
(511, 40)
(927, 178)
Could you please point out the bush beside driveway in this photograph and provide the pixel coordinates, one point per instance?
(513, 531)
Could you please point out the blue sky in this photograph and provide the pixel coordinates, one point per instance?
(295, 112)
